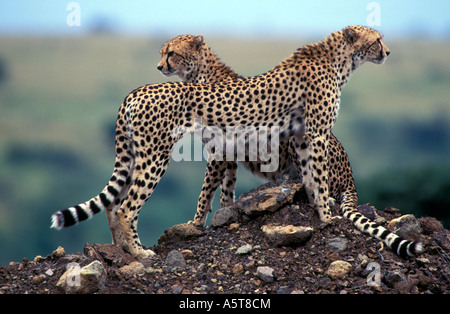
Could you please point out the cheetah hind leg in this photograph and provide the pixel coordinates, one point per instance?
(313, 171)
(114, 222)
(215, 171)
(143, 183)
(137, 249)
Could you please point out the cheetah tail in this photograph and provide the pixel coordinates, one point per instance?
(108, 197)
(403, 248)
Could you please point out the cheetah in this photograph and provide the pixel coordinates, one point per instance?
(300, 96)
(193, 61)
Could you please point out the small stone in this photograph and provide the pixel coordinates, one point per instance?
(391, 278)
(49, 272)
(406, 226)
(85, 280)
(177, 289)
(245, 249)
(58, 253)
(93, 277)
(233, 226)
(422, 261)
(265, 273)
(175, 259)
(267, 199)
(134, 268)
(339, 269)
(238, 269)
(283, 290)
(287, 235)
(187, 254)
(337, 244)
(224, 216)
(180, 232)
(38, 259)
(38, 279)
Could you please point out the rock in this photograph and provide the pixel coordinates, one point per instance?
(58, 253)
(87, 279)
(368, 211)
(39, 259)
(187, 254)
(406, 226)
(134, 268)
(339, 269)
(393, 277)
(283, 290)
(175, 259)
(422, 261)
(224, 216)
(265, 273)
(38, 279)
(93, 277)
(269, 199)
(337, 244)
(238, 269)
(287, 235)
(177, 289)
(245, 249)
(430, 225)
(180, 232)
(110, 253)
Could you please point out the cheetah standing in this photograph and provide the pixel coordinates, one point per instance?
(193, 61)
(300, 96)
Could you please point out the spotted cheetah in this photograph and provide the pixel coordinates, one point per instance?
(193, 61)
(300, 96)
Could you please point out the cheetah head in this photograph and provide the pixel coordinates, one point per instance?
(367, 45)
(181, 55)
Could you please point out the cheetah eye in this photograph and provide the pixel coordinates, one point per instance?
(170, 54)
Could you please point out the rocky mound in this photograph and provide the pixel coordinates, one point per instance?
(270, 241)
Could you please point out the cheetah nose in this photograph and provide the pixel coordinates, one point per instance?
(388, 53)
(159, 67)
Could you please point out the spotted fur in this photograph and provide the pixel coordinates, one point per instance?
(300, 95)
(200, 65)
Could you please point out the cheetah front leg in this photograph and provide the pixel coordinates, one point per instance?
(228, 184)
(311, 164)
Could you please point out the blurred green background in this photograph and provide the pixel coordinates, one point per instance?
(59, 97)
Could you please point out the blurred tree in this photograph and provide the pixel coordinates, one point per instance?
(423, 192)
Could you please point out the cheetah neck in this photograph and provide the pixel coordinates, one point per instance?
(211, 69)
(337, 53)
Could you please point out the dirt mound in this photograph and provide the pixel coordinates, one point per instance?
(240, 254)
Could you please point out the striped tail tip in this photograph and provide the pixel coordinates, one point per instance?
(407, 248)
(67, 217)
(418, 248)
(57, 221)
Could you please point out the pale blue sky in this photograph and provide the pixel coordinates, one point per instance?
(231, 17)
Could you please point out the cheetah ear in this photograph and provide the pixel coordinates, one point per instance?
(351, 35)
(198, 42)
